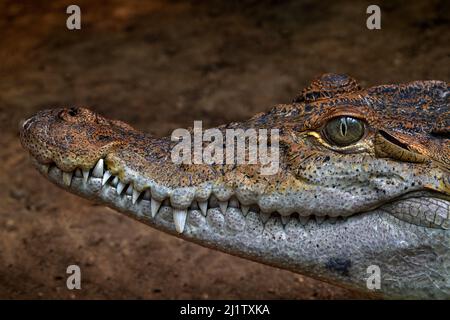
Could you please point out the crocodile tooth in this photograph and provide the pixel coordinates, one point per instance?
(106, 177)
(264, 216)
(85, 175)
(136, 195)
(154, 204)
(203, 206)
(179, 217)
(67, 178)
(115, 181)
(98, 169)
(129, 190)
(223, 206)
(303, 220)
(332, 220)
(319, 219)
(78, 173)
(120, 187)
(244, 209)
(285, 219)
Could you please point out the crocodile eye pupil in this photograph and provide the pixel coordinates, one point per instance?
(343, 128)
(344, 131)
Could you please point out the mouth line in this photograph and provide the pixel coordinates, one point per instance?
(149, 206)
(124, 193)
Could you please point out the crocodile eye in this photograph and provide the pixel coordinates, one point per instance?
(344, 131)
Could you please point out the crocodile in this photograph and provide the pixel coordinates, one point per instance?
(361, 198)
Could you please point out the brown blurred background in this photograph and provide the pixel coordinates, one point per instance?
(160, 65)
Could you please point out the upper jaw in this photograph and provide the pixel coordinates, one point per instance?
(99, 183)
(203, 197)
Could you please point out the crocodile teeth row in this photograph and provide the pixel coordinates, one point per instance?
(179, 214)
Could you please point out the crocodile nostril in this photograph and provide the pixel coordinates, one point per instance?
(73, 112)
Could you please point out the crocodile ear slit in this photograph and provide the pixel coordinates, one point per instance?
(387, 146)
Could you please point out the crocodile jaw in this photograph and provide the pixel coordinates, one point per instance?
(339, 252)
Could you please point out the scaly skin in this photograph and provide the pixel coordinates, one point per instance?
(330, 212)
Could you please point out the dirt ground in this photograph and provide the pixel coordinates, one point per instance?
(160, 65)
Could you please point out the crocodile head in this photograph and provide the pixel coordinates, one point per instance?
(362, 187)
